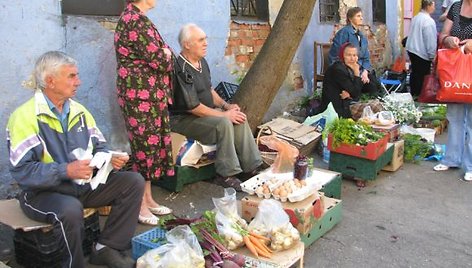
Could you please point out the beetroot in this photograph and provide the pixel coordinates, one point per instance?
(239, 259)
(230, 264)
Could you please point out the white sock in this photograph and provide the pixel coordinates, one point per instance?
(99, 246)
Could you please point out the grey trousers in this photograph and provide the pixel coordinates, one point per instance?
(64, 210)
(236, 150)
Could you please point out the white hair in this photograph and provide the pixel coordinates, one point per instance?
(48, 64)
(186, 32)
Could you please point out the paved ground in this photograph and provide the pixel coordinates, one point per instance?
(414, 217)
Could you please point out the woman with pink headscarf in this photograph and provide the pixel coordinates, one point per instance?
(342, 83)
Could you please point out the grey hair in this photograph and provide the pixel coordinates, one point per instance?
(48, 64)
(185, 33)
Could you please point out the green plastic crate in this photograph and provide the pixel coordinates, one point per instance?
(333, 187)
(186, 175)
(331, 217)
(359, 167)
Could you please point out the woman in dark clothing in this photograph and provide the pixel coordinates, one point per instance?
(342, 83)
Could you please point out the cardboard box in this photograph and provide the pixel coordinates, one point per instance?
(281, 259)
(302, 214)
(393, 131)
(331, 216)
(371, 151)
(301, 136)
(397, 158)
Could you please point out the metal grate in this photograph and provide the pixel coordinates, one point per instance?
(329, 11)
(250, 9)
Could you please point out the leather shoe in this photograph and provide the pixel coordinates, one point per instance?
(229, 181)
(111, 258)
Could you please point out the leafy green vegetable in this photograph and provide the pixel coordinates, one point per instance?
(416, 148)
(350, 132)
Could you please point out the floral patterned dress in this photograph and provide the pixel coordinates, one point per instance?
(144, 92)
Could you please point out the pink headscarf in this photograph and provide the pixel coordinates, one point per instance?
(341, 51)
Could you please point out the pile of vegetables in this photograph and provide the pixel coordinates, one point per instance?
(416, 148)
(350, 132)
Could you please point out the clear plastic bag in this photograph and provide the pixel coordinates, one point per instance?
(272, 219)
(228, 220)
(385, 118)
(181, 251)
(286, 153)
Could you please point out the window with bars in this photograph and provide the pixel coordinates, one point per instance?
(252, 9)
(329, 11)
(93, 7)
(379, 11)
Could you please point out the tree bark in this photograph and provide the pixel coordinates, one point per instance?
(266, 75)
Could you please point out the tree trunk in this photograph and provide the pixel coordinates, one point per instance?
(266, 75)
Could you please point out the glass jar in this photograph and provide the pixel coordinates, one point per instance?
(300, 169)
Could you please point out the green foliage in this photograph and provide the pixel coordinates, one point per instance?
(416, 148)
(437, 112)
(350, 132)
(305, 101)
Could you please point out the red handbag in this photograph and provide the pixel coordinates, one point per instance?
(430, 87)
(455, 76)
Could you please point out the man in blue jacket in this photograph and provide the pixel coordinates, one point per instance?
(42, 135)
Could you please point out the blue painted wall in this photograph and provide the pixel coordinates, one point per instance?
(30, 28)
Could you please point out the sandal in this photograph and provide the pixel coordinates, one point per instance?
(160, 210)
(152, 220)
(441, 167)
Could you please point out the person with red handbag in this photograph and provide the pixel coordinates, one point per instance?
(457, 31)
(421, 45)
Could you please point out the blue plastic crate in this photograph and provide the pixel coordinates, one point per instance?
(143, 242)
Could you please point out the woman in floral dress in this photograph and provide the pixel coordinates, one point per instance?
(144, 92)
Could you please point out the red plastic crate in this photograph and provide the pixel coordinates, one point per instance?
(371, 151)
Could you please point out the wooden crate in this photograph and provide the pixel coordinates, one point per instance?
(397, 158)
(361, 168)
(371, 151)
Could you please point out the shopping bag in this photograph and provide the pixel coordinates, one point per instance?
(455, 76)
(430, 89)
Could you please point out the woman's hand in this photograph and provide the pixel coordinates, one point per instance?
(345, 95)
(355, 67)
(167, 52)
(467, 46)
(451, 42)
(365, 77)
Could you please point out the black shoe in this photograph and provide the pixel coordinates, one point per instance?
(229, 181)
(111, 258)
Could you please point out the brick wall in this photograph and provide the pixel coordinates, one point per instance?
(245, 42)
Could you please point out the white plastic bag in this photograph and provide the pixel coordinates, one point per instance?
(228, 220)
(181, 251)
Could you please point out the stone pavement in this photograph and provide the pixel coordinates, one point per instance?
(414, 217)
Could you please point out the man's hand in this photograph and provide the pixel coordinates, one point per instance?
(233, 106)
(345, 95)
(365, 77)
(119, 161)
(79, 169)
(235, 116)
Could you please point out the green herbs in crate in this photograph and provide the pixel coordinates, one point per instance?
(416, 148)
(350, 132)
